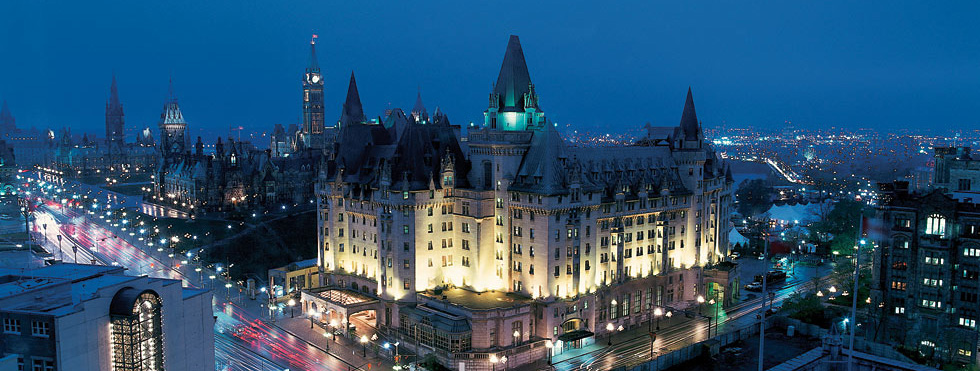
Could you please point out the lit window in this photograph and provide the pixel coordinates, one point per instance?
(936, 225)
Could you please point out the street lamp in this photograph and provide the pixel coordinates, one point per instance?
(549, 345)
(656, 315)
(493, 361)
(364, 341)
(312, 313)
(326, 344)
(710, 319)
(700, 303)
(228, 286)
(292, 304)
(610, 328)
(517, 337)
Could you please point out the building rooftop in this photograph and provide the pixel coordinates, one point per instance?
(478, 300)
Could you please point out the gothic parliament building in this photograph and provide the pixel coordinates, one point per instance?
(237, 175)
(509, 238)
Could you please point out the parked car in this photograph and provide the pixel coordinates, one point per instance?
(736, 255)
(773, 309)
(754, 286)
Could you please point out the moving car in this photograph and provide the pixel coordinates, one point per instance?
(754, 286)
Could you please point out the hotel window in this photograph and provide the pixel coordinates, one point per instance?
(408, 284)
(466, 227)
(405, 246)
(903, 223)
(899, 310)
(936, 225)
(404, 195)
(968, 322)
(429, 211)
(971, 251)
(932, 304)
(11, 326)
(430, 228)
(407, 264)
(405, 229)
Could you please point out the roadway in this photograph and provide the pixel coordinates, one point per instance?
(680, 331)
(244, 340)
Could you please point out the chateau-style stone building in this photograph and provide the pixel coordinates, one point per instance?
(509, 239)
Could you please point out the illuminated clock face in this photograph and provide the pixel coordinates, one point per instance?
(315, 78)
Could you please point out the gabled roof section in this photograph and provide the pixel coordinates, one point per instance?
(543, 168)
(689, 119)
(514, 79)
(352, 112)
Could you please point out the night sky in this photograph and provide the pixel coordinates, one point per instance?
(615, 65)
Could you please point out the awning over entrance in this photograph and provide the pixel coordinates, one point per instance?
(575, 335)
(340, 301)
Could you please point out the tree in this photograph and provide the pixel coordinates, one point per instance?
(841, 226)
(754, 196)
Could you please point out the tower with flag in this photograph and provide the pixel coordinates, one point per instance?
(311, 131)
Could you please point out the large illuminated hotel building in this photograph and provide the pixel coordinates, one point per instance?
(510, 239)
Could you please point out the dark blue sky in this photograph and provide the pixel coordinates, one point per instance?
(617, 64)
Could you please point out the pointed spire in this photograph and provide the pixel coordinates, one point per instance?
(689, 119)
(514, 79)
(171, 97)
(113, 93)
(352, 112)
(314, 66)
(7, 121)
(418, 111)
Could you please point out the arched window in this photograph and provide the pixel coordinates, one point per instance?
(936, 225)
(137, 330)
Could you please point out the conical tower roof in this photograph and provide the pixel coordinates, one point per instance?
(418, 111)
(113, 93)
(689, 119)
(514, 80)
(352, 112)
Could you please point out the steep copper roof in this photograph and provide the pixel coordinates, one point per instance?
(514, 80)
(352, 112)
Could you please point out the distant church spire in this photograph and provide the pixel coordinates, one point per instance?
(114, 116)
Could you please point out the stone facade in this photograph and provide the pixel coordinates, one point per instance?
(68, 317)
(408, 208)
(927, 273)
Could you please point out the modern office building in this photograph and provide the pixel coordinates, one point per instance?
(95, 318)
(511, 239)
(927, 273)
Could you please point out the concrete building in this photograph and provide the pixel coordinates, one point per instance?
(927, 273)
(957, 171)
(511, 239)
(88, 317)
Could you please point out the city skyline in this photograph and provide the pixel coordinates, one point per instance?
(882, 75)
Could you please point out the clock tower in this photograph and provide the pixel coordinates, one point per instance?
(312, 129)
